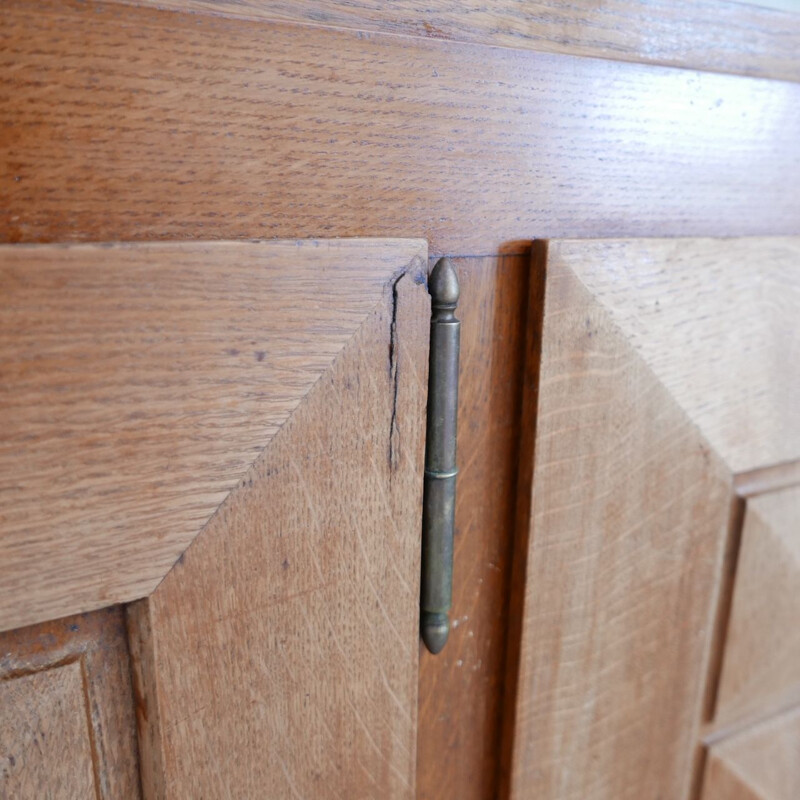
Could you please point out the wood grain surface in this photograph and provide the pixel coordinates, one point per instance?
(760, 671)
(713, 34)
(628, 514)
(44, 736)
(292, 668)
(724, 783)
(760, 763)
(67, 725)
(131, 123)
(138, 385)
(461, 689)
(145, 124)
(716, 321)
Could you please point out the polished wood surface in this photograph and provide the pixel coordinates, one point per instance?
(760, 763)
(67, 725)
(760, 668)
(716, 321)
(279, 657)
(193, 127)
(623, 552)
(715, 35)
(138, 385)
(461, 689)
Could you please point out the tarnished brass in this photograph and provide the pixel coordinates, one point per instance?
(438, 505)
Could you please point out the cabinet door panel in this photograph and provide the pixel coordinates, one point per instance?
(237, 432)
(623, 543)
(67, 725)
(279, 657)
(657, 370)
(761, 663)
(45, 734)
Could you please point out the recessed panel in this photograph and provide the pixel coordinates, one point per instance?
(45, 749)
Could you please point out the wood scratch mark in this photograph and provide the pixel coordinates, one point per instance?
(375, 746)
(381, 493)
(292, 786)
(373, 589)
(213, 760)
(378, 652)
(312, 509)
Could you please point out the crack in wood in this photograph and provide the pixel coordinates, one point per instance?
(394, 371)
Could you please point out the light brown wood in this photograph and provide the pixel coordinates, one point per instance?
(768, 479)
(760, 672)
(716, 321)
(713, 34)
(622, 552)
(761, 763)
(148, 720)
(279, 657)
(335, 133)
(67, 725)
(137, 124)
(138, 385)
(44, 736)
(725, 784)
(461, 689)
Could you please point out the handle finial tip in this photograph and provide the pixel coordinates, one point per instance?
(443, 284)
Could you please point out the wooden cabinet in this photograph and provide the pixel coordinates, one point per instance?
(216, 222)
(248, 456)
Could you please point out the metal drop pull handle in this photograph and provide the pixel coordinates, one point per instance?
(439, 497)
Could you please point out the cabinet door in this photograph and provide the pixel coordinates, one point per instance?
(659, 371)
(231, 435)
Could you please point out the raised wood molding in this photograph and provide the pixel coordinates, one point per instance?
(617, 563)
(759, 763)
(338, 133)
(292, 667)
(44, 735)
(768, 479)
(716, 321)
(715, 35)
(139, 383)
(67, 724)
(762, 643)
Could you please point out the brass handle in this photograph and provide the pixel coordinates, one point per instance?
(439, 497)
